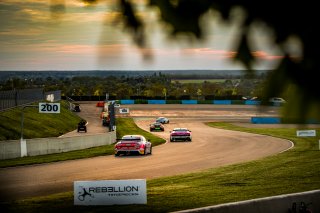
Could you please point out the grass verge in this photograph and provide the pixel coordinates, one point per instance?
(124, 126)
(36, 125)
(293, 171)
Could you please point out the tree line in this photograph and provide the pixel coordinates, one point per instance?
(157, 86)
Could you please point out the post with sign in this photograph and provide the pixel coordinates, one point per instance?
(23, 143)
(307, 133)
(49, 107)
(43, 108)
(112, 116)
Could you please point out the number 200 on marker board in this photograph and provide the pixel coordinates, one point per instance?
(49, 107)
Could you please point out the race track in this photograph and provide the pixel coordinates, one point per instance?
(210, 148)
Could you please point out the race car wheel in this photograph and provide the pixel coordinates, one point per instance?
(144, 152)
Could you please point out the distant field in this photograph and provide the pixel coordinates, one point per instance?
(198, 81)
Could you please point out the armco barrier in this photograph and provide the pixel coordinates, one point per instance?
(252, 102)
(156, 101)
(126, 101)
(276, 204)
(43, 146)
(189, 102)
(265, 120)
(225, 102)
(238, 102)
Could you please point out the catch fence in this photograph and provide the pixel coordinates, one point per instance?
(15, 98)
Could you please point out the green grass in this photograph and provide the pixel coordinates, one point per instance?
(36, 125)
(72, 155)
(124, 126)
(293, 171)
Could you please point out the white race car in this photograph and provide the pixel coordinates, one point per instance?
(180, 134)
(162, 120)
(130, 144)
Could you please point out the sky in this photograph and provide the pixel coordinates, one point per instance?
(81, 37)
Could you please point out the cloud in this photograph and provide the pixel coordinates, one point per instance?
(208, 52)
(67, 34)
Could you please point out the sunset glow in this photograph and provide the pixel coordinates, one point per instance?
(69, 34)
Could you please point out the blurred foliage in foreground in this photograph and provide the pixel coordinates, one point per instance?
(296, 74)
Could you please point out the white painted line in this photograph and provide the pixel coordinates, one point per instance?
(292, 145)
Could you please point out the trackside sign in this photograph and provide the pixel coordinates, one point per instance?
(306, 133)
(124, 110)
(110, 192)
(49, 107)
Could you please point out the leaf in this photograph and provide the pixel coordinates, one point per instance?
(244, 53)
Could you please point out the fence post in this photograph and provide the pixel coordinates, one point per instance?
(15, 97)
(23, 143)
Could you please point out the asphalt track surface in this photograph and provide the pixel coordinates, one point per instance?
(210, 148)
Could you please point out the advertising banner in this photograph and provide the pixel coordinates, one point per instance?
(110, 192)
(306, 133)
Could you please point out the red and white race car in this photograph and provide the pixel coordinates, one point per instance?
(100, 104)
(130, 144)
(178, 134)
